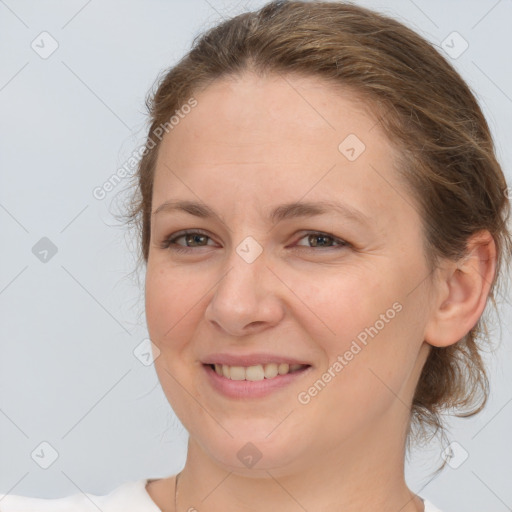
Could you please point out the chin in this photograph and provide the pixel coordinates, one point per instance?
(253, 451)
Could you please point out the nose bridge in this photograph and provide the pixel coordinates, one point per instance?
(244, 295)
(243, 279)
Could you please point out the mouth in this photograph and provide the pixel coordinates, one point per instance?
(256, 372)
(256, 381)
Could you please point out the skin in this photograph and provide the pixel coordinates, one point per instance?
(250, 144)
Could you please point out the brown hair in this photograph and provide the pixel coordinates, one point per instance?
(447, 157)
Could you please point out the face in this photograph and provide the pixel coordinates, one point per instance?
(338, 286)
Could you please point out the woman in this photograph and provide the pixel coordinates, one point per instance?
(322, 220)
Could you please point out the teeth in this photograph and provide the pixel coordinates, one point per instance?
(271, 370)
(283, 368)
(236, 373)
(256, 372)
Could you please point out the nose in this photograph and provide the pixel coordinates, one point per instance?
(246, 299)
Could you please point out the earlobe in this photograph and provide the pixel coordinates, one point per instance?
(462, 292)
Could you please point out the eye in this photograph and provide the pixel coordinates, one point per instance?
(195, 238)
(319, 239)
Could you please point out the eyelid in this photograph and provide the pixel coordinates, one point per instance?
(340, 241)
(170, 240)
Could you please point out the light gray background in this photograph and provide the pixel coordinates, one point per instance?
(70, 325)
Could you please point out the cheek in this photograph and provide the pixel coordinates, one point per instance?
(364, 376)
(172, 311)
(370, 326)
(168, 298)
(376, 364)
(335, 307)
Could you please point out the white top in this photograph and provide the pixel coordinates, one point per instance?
(130, 496)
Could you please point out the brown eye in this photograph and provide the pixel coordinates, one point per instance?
(192, 239)
(323, 240)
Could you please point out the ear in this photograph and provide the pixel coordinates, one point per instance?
(461, 292)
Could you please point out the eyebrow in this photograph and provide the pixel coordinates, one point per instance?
(281, 212)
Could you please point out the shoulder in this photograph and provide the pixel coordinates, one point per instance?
(131, 495)
(430, 507)
(161, 491)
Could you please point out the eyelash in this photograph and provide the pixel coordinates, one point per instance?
(169, 243)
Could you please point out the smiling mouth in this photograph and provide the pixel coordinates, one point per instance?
(256, 372)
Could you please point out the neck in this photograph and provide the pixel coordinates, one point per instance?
(362, 474)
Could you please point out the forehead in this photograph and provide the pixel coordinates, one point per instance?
(285, 136)
(269, 110)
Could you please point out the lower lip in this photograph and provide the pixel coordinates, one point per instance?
(251, 389)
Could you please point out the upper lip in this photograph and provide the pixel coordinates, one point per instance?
(250, 359)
